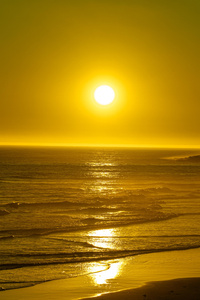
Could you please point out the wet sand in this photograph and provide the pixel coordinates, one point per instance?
(154, 276)
(177, 289)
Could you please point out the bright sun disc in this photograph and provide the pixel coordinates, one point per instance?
(104, 95)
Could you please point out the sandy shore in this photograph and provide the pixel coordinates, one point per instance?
(126, 279)
(177, 289)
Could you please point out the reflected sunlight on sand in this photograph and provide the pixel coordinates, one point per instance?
(102, 277)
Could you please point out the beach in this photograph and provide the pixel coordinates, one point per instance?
(100, 150)
(167, 275)
(177, 289)
(81, 223)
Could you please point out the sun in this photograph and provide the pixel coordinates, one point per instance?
(104, 95)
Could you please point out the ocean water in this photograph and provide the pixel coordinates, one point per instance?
(65, 212)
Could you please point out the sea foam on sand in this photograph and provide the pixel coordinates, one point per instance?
(125, 274)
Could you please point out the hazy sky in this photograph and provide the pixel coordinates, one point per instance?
(54, 53)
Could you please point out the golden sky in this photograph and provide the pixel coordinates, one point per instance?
(54, 53)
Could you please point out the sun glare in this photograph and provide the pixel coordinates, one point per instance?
(104, 95)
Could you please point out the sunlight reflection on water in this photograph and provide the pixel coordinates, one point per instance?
(101, 237)
(100, 240)
(102, 233)
(102, 277)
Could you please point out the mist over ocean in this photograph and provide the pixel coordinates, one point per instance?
(67, 211)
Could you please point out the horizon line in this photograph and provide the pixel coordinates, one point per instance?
(82, 145)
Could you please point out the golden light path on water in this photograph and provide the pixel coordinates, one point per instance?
(103, 238)
(102, 277)
(113, 268)
(101, 173)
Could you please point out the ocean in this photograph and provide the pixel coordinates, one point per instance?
(65, 212)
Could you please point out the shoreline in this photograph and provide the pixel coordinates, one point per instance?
(177, 289)
(124, 276)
